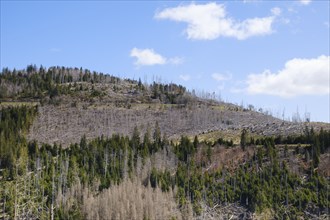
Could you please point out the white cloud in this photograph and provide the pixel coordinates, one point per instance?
(251, 1)
(298, 77)
(305, 2)
(210, 21)
(221, 77)
(185, 77)
(147, 57)
(276, 11)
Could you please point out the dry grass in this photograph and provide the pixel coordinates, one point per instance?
(222, 157)
(227, 135)
(16, 104)
(324, 166)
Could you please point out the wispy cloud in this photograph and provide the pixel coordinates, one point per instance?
(276, 11)
(185, 77)
(305, 2)
(252, 1)
(221, 77)
(210, 21)
(175, 60)
(298, 77)
(148, 57)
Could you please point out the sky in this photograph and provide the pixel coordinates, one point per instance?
(273, 55)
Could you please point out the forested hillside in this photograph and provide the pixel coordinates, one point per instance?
(76, 144)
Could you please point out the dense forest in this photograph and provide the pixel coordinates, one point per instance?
(35, 179)
(124, 176)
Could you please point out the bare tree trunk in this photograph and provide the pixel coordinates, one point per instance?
(106, 155)
(52, 205)
(15, 207)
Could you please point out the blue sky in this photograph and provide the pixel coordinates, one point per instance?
(271, 54)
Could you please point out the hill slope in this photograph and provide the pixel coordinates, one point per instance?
(77, 102)
(128, 148)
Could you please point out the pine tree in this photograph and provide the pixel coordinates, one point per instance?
(244, 138)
